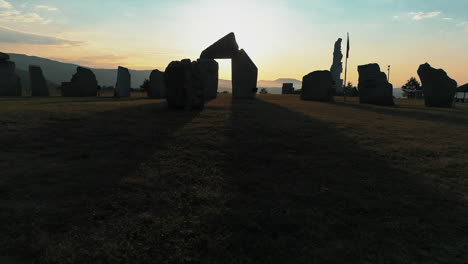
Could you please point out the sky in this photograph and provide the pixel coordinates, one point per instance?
(285, 38)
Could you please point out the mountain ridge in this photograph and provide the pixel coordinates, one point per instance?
(57, 72)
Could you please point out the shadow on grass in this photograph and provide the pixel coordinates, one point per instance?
(448, 116)
(99, 99)
(53, 174)
(249, 183)
(296, 191)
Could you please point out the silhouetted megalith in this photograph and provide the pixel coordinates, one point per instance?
(82, 84)
(373, 86)
(37, 82)
(4, 56)
(122, 87)
(10, 83)
(184, 87)
(157, 87)
(318, 86)
(337, 67)
(288, 88)
(225, 48)
(244, 76)
(439, 89)
(209, 74)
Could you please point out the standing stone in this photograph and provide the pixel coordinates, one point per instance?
(82, 84)
(209, 74)
(288, 88)
(225, 48)
(337, 67)
(10, 83)
(318, 86)
(244, 76)
(184, 87)
(244, 71)
(374, 87)
(122, 88)
(439, 89)
(157, 87)
(4, 56)
(37, 81)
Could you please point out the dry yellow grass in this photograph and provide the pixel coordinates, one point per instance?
(271, 180)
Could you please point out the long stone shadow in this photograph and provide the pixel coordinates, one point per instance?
(56, 172)
(96, 99)
(455, 117)
(296, 191)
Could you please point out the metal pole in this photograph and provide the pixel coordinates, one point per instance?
(389, 73)
(345, 79)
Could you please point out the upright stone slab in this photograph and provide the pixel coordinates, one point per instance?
(37, 82)
(82, 84)
(122, 88)
(318, 86)
(183, 83)
(374, 87)
(288, 88)
(157, 87)
(439, 89)
(10, 83)
(225, 48)
(337, 67)
(209, 74)
(4, 56)
(244, 76)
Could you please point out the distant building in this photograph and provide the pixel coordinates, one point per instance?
(288, 88)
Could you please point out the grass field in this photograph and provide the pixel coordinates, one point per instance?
(271, 180)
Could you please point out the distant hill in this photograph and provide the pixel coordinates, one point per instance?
(58, 72)
(279, 83)
(273, 87)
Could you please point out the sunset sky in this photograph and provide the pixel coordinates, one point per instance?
(286, 39)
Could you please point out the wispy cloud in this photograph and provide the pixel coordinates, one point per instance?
(463, 25)
(48, 8)
(5, 4)
(105, 61)
(447, 18)
(10, 35)
(8, 13)
(13, 15)
(424, 15)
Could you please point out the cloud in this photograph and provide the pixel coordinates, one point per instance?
(13, 15)
(423, 15)
(47, 8)
(9, 14)
(463, 25)
(5, 4)
(447, 18)
(13, 36)
(105, 61)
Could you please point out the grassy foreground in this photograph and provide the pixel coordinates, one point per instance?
(271, 180)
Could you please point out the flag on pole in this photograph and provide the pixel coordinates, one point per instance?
(347, 49)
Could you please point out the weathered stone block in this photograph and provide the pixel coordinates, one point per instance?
(318, 86)
(122, 87)
(37, 81)
(374, 87)
(244, 76)
(439, 89)
(82, 84)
